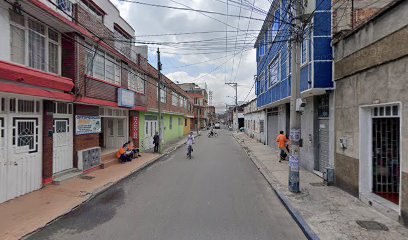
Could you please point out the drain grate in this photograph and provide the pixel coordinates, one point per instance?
(87, 177)
(372, 225)
(318, 184)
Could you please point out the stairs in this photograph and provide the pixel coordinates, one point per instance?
(67, 174)
(109, 159)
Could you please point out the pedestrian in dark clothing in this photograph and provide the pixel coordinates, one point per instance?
(156, 142)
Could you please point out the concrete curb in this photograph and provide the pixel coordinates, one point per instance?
(306, 229)
(104, 188)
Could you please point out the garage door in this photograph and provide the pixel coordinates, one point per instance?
(20, 147)
(272, 129)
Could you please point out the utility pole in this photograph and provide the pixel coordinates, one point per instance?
(235, 86)
(159, 67)
(294, 156)
(198, 121)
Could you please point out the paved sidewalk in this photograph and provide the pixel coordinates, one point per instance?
(25, 214)
(328, 211)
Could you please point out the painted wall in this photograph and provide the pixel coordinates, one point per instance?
(256, 134)
(187, 128)
(176, 131)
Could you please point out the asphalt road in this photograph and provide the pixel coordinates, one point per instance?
(218, 194)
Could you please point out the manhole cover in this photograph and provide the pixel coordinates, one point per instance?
(318, 184)
(87, 177)
(372, 225)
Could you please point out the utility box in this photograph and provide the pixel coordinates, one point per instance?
(329, 176)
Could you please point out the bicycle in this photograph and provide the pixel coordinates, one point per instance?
(212, 134)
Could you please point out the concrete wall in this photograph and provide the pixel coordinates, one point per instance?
(256, 133)
(371, 69)
(308, 133)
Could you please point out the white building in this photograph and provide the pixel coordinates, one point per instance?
(254, 121)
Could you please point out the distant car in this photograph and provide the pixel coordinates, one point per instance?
(217, 126)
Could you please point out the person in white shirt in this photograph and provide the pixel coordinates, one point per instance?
(190, 141)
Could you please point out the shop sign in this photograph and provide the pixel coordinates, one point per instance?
(87, 124)
(126, 98)
(135, 127)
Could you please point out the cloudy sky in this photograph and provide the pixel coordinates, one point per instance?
(212, 52)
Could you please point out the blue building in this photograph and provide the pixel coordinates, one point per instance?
(273, 57)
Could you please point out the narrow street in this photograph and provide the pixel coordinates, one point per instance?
(218, 194)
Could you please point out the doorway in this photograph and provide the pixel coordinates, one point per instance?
(386, 156)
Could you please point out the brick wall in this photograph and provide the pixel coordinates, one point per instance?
(347, 16)
(87, 140)
(47, 156)
(68, 61)
(151, 92)
(91, 88)
(92, 23)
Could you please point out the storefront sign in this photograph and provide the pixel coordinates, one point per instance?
(134, 128)
(87, 124)
(126, 98)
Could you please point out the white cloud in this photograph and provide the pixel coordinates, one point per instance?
(152, 20)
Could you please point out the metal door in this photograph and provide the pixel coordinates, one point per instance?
(151, 129)
(273, 131)
(3, 161)
(24, 166)
(116, 132)
(20, 147)
(323, 145)
(62, 145)
(386, 157)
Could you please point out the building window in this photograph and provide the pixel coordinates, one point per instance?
(274, 72)
(174, 99)
(261, 126)
(262, 82)
(136, 82)
(305, 50)
(41, 42)
(185, 122)
(171, 122)
(163, 93)
(92, 9)
(122, 43)
(275, 27)
(323, 107)
(103, 66)
(179, 121)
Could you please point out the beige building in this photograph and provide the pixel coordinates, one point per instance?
(371, 113)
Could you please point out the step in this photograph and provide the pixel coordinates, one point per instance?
(67, 174)
(108, 156)
(109, 161)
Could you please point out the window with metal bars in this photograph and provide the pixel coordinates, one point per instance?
(323, 107)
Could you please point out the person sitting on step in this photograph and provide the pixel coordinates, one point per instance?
(122, 155)
(134, 151)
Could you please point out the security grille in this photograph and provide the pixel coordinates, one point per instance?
(386, 153)
(25, 133)
(323, 106)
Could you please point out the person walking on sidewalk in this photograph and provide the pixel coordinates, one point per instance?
(282, 141)
(156, 142)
